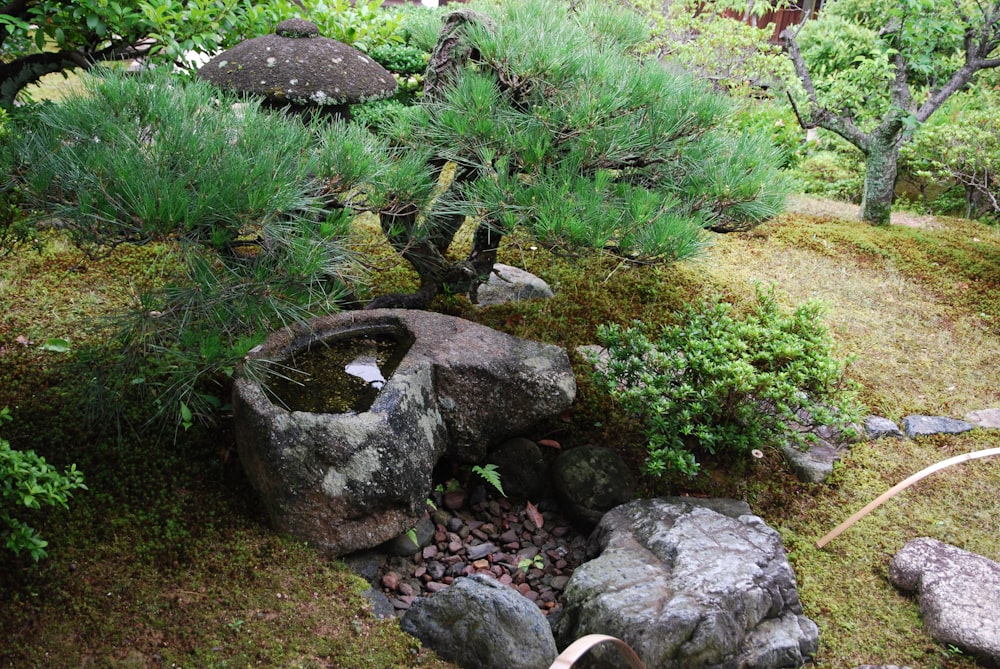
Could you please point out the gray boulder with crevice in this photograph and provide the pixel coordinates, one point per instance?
(350, 481)
(478, 623)
(689, 583)
(959, 594)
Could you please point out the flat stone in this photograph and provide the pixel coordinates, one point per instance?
(511, 284)
(985, 418)
(959, 594)
(812, 463)
(917, 426)
(877, 427)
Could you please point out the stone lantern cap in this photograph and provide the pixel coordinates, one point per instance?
(296, 66)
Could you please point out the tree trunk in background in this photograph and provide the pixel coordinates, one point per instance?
(881, 169)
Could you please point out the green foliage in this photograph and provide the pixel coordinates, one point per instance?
(230, 191)
(27, 481)
(490, 474)
(363, 25)
(775, 119)
(955, 158)
(717, 383)
(702, 37)
(838, 175)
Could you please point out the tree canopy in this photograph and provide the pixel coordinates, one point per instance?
(874, 70)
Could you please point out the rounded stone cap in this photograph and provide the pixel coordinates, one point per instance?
(297, 66)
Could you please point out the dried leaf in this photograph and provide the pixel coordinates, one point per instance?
(22, 340)
(533, 514)
(551, 443)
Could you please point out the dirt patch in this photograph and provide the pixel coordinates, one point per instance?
(815, 206)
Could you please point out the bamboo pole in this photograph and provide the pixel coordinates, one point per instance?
(902, 485)
(579, 648)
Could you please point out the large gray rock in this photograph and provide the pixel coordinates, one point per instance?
(349, 481)
(478, 623)
(688, 584)
(959, 594)
(917, 426)
(591, 480)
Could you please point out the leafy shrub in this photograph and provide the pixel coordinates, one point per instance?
(721, 384)
(400, 58)
(777, 120)
(27, 481)
(954, 158)
(834, 174)
(364, 25)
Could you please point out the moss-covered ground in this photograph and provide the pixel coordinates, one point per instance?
(167, 559)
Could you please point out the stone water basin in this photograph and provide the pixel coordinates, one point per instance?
(350, 476)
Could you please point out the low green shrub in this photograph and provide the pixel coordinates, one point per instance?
(720, 384)
(27, 481)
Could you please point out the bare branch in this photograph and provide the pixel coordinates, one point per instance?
(842, 124)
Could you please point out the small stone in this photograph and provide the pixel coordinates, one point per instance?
(479, 534)
(505, 579)
(560, 531)
(523, 588)
(481, 564)
(436, 587)
(454, 524)
(436, 570)
(420, 571)
(390, 580)
(430, 552)
(531, 594)
(480, 551)
(559, 582)
(454, 499)
(406, 589)
(509, 536)
(456, 547)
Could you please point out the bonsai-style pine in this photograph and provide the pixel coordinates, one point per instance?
(557, 126)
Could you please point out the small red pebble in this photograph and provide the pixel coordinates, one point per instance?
(549, 443)
(391, 580)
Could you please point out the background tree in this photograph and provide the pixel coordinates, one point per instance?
(874, 70)
(558, 128)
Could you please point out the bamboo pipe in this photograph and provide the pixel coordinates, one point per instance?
(902, 485)
(579, 648)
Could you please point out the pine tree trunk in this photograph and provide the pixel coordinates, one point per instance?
(881, 169)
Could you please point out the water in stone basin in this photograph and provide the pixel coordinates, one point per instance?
(340, 376)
